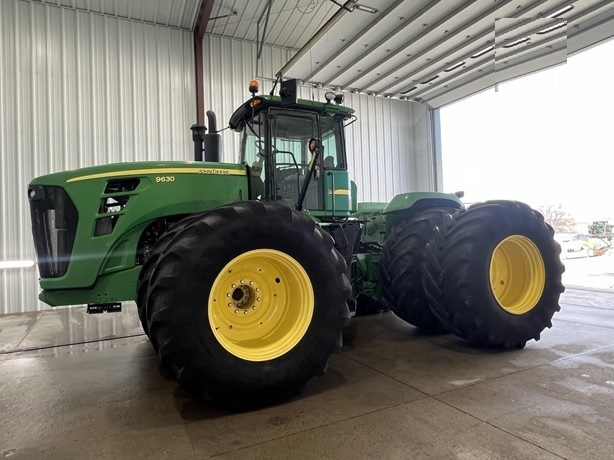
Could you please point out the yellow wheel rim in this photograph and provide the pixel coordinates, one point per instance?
(260, 305)
(517, 274)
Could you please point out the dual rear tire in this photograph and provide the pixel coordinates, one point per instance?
(490, 274)
(401, 265)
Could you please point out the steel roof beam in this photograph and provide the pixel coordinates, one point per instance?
(475, 49)
(318, 17)
(569, 20)
(414, 17)
(435, 45)
(430, 29)
(596, 25)
(521, 51)
(319, 34)
(357, 37)
(436, 93)
(487, 74)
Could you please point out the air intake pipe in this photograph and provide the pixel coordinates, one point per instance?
(198, 136)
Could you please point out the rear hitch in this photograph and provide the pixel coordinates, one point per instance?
(96, 308)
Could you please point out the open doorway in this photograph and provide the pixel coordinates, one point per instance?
(545, 139)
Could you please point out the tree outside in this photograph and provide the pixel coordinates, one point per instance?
(558, 218)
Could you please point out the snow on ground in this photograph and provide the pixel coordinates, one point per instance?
(593, 272)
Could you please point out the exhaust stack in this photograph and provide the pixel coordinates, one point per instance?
(207, 147)
(213, 140)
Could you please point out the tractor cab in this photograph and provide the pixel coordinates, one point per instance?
(277, 145)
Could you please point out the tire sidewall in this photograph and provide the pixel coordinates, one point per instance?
(479, 275)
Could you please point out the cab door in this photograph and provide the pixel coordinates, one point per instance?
(290, 132)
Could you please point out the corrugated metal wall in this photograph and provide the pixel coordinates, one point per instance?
(79, 89)
(389, 146)
(229, 67)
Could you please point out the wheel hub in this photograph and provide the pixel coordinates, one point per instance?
(243, 296)
(261, 304)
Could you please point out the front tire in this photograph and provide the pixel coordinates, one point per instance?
(149, 265)
(248, 302)
(493, 274)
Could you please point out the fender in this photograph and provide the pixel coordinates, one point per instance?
(405, 205)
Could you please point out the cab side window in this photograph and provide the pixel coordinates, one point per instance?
(332, 157)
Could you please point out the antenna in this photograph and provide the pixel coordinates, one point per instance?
(277, 79)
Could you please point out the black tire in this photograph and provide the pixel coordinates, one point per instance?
(193, 299)
(148, 267)
(510, 243)
(401, 269)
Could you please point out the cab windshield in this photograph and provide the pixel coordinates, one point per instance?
(282, 162)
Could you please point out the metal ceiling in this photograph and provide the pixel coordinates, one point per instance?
(433, 51)
(180, 14)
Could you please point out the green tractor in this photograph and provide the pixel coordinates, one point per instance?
(245, 275)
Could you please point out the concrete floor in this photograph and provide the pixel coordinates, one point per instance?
(79, 386)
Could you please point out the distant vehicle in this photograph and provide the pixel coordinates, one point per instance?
(574, 245)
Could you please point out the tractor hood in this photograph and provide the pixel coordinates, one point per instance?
(87, 223)
(138, 169)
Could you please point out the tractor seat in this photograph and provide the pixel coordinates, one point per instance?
(329, 162)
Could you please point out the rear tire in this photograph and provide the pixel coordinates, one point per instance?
(401, 269)
(247, 303)
(493, 274)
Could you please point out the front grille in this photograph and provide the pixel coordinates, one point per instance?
(54, 225)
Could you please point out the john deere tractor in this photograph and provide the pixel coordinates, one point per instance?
(246, 274)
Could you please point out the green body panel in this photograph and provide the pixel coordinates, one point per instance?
(354, 191)
(367, 208)
(405, 201)
(371, 214)
(164, 189)
(404, 205)
(337, 194)
(109, 288)
(378, 221)
(367, 268)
